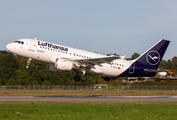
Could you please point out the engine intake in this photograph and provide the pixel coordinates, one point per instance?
(63, 64)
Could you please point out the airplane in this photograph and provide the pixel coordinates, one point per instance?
(63, 58)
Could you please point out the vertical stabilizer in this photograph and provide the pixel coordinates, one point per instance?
(152, 57)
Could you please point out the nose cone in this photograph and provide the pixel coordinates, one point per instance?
(9, 47)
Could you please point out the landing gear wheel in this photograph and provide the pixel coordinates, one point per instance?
(83, 78)
(77, 78)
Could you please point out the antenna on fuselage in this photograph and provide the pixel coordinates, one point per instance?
(35, 38)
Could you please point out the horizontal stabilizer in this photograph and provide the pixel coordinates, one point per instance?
(155, 71)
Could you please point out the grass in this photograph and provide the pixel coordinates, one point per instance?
(87, 111)
(86, 93)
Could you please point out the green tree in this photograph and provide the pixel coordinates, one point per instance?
(165, 64)
(22, 77)
(174, 64)
(22, 62)
(46, 83)
(1, 82)
(8, 65)
(11, 81)
(37, 71)
(134, 56)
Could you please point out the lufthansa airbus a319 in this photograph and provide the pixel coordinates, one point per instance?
(63, 58)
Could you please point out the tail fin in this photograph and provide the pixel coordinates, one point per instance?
(153, 56)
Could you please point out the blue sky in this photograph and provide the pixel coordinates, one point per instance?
(104, 26)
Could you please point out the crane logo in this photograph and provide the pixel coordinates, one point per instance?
(153, 57)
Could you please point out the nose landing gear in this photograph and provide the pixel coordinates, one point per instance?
(28, 62)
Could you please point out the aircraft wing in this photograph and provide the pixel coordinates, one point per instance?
(94, 61)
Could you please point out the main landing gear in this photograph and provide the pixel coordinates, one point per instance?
(83, 77)
(78, 78)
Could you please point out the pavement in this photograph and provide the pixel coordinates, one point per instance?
(88, 99)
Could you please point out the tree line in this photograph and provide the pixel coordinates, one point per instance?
(13, 72)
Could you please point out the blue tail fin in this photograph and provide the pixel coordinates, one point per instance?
(152, 57)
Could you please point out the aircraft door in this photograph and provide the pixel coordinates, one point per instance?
(132, 68)
(32, 45)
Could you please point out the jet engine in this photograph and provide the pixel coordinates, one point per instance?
(59, 64)
(63, 64)
(51, 67)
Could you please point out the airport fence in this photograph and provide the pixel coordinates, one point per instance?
(85, 87)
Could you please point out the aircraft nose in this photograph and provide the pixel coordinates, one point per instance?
(9, 47)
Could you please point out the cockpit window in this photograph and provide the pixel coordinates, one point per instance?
(19, 42)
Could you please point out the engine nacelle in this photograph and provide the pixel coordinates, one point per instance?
(63, 64)
(51, 67)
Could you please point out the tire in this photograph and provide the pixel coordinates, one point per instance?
(77, 78)
(83, 78)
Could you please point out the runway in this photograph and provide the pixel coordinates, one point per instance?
(88, 99)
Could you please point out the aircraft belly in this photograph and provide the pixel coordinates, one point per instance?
(95, 70)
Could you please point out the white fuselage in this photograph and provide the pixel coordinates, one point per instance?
(45, 51)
